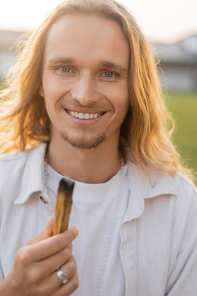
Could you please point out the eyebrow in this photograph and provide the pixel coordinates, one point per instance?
(104, 63)
(111, 65)
(67, 60)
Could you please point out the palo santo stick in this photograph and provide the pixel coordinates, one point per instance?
(63, 206)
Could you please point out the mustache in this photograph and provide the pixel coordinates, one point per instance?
(69, 103)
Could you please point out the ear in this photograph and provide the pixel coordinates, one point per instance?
(41, 91)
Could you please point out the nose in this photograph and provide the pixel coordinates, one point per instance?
(84, 90)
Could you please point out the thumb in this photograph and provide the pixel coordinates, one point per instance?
(47, 232)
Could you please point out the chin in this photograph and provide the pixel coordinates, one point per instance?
(84, 142)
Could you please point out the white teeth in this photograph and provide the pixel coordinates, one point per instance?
(84, 115)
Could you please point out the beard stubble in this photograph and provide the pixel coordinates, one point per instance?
(84, 141)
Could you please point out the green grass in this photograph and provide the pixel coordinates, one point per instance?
(183, 107)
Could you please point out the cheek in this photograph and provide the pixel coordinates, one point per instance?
(123, 108)
(125, 99)
(49, 108)
(52, 96)
(53, 86)
(122, 102)
(41, 91)
(50, 99)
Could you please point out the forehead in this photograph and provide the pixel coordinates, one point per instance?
(89, 35)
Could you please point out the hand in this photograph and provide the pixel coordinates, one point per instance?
(35, 266)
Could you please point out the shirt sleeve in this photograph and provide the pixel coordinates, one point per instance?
(183, 278)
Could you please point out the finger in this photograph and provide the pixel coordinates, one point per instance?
(69, 287)
(51, 245)
(51, 282)
(70, 268)
(52, 263)
(47, 232)
(52, 286)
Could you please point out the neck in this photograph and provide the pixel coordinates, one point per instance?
(97, 165)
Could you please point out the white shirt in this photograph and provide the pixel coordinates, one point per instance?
(158, 233)
(98, 211)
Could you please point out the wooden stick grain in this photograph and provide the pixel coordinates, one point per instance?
(63, 206)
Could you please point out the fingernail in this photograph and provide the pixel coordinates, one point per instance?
(76, 231)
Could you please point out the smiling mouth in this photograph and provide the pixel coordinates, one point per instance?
(86, 115)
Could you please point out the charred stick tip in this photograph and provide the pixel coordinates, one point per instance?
(66, 184)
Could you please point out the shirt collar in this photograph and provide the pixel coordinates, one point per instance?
(158, 184)
(139, 183)
(33, 175)
(142, 188)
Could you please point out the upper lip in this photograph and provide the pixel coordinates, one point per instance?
(84, 111)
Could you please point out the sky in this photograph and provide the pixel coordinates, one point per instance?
(165, 21)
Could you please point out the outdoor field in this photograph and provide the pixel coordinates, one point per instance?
(183, 107)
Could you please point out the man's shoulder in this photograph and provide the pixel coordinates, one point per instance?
(185, 186)
(20, 171)
(13, 165)
(159, 183)
(180, 177)
(19, 156)
(14, 156)
(11, 171)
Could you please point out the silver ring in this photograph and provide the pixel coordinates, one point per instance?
(62, 276)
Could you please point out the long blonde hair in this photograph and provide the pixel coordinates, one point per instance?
(145, 130)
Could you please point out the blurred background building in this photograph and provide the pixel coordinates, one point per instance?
(7, 50)
(178, 61)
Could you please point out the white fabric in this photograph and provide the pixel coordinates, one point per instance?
(97, 256)
(158, 232)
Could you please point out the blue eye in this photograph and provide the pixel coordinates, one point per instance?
(65, 69)
(109, 74)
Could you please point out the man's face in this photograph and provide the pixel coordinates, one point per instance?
(84, 83)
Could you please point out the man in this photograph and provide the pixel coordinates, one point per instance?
(86, 87)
